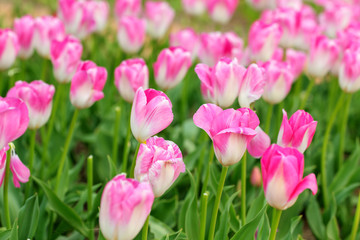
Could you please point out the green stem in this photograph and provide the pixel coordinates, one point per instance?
(275, 223)
(343, 129)
(207, 174)
(202, 138)
(134, 161)
(127, 145)
(31, 160)
(217, 202)
(356, 221)
(54, 111)
(116, 135)
(184, 97)
(6, 185)
(66, 149)
(307, 93)
(89, 191)
(324, 149)
(145, 229)
(44, 69)
(268, 118)
(243, 189)
(203, 211)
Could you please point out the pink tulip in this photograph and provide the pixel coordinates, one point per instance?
(87, 85)
(151, 113)
(20, 172)
(124, 207)
(187, 39)
(255, 177)
(65, 57)
(38, 97)
(194, 7)
(258, 145)
(264, 39)
(282, 172)
(349, 75)
(47, 28)
(221, 11)
(14, 119)
(131, 34)
(349, 36)
(220, 84)
(171, 67)
(297, 60)
(130, 75)
(159, 16)
(9, 47)
(24, 28)
(127, 8)
(298, 131)
(159, 162)
(100, 13)
(262, 4)
(230, 130)
(279, 79)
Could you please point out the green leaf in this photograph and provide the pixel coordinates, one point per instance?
(63, 210)
(332, 229)
(294, 223)
(256, 206)
(224, 227)
(112, 167)
(314, 219)
(179, 235)
(14, 231)
(5, 235)
(158, 228)
(29, 218)
(264, 228)
(192, 223)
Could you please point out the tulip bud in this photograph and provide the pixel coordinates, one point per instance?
(159, 16)
(129, 76)
(131, 34)
(24, 28)
(65, 57)
(127, 8)
(251, 85)
(171, 67)
(349, 75)
(38, 97)
(9, 48)
(151, 113)
(255, 177)
(187, 39)
(282, 172)
(87, 85)
(221, 11)
(159, 162)
(194, 7)
(258, 145)
(298, 131)
(230, 130)
(124, 207)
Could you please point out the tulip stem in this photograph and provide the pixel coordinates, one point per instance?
(268, 118)
(203, 138)
(243, 189)
(31, 160)
(89, 170)
(217, 202)
(203, 211)
(356, 221)
(116, 135)
(66, 149)
(307, 93)
(6, 186)
(184, 97)
(145, 229)
(134, 161)
(275, 223)
(127, 145)
(343, 129)
(324, 149)
(207, 174)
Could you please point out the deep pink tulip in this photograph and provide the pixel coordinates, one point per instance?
(349, 74)
(38, 97)
(14, 119)
(187, 39)
(9, 48)
(129, 76)
(221, 11)
(230, 130)
(258, 145)
(298, 131)
(255, 177)
(131, 34)
(282, 172)
(87, 85)
(24, 28)
(159, 16)
(65, 57)
(125, 205)
(127, 8)
(194, 7)
(159, 162)
(297, 60)
(151, 113)
(171, 67)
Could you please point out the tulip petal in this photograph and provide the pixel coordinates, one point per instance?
(205, 115)
(309, 182)
(20, 172)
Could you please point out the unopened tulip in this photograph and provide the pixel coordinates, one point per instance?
(65, 57)
(298, 131)
(258, 145)
(9, 47)
(230, 130)
(221, 11)
(297, 60)
(220, 84)
(187, 39)
(100, 12)
(151, 113)
(47, 28)
(264, 40)
(87, 85)
(38, 97)
(124, 207)
(282, 173)
(194, 7)
(129, 76)
(24, 28)
(255, 177)
(279, 79)
(127, 8)
(171, 67)
(14, 119)
(159, 16)
(349, 76)
(131, 34)
(159, 162)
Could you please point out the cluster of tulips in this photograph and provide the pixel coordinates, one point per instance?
(288, 40)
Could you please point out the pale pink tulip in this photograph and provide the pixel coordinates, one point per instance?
(187, 39)
(349, 74)
(159, 16)
(294, 4)
(349, 36)
(221, 11)
(9, 48)
(194, 7)
(127, 8)
(131, 34)
(100, 13)
(262, 4)
(258, 145)
(296, 60)
(24, 28)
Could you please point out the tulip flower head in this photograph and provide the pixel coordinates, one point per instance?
(100, 12)
(159, 162)
(297, 60)
(24, 28)
(221, 11)
(124, 207)
(159, 16)
(230, 130)
(131, 34)
(194, 7)
(130, 75)
(127, 8)
(9, 48)
(151, 113)
(349, 76)
(282, 172)
(38, 97)
(187, 39)
(258, 145)
(298, 131)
